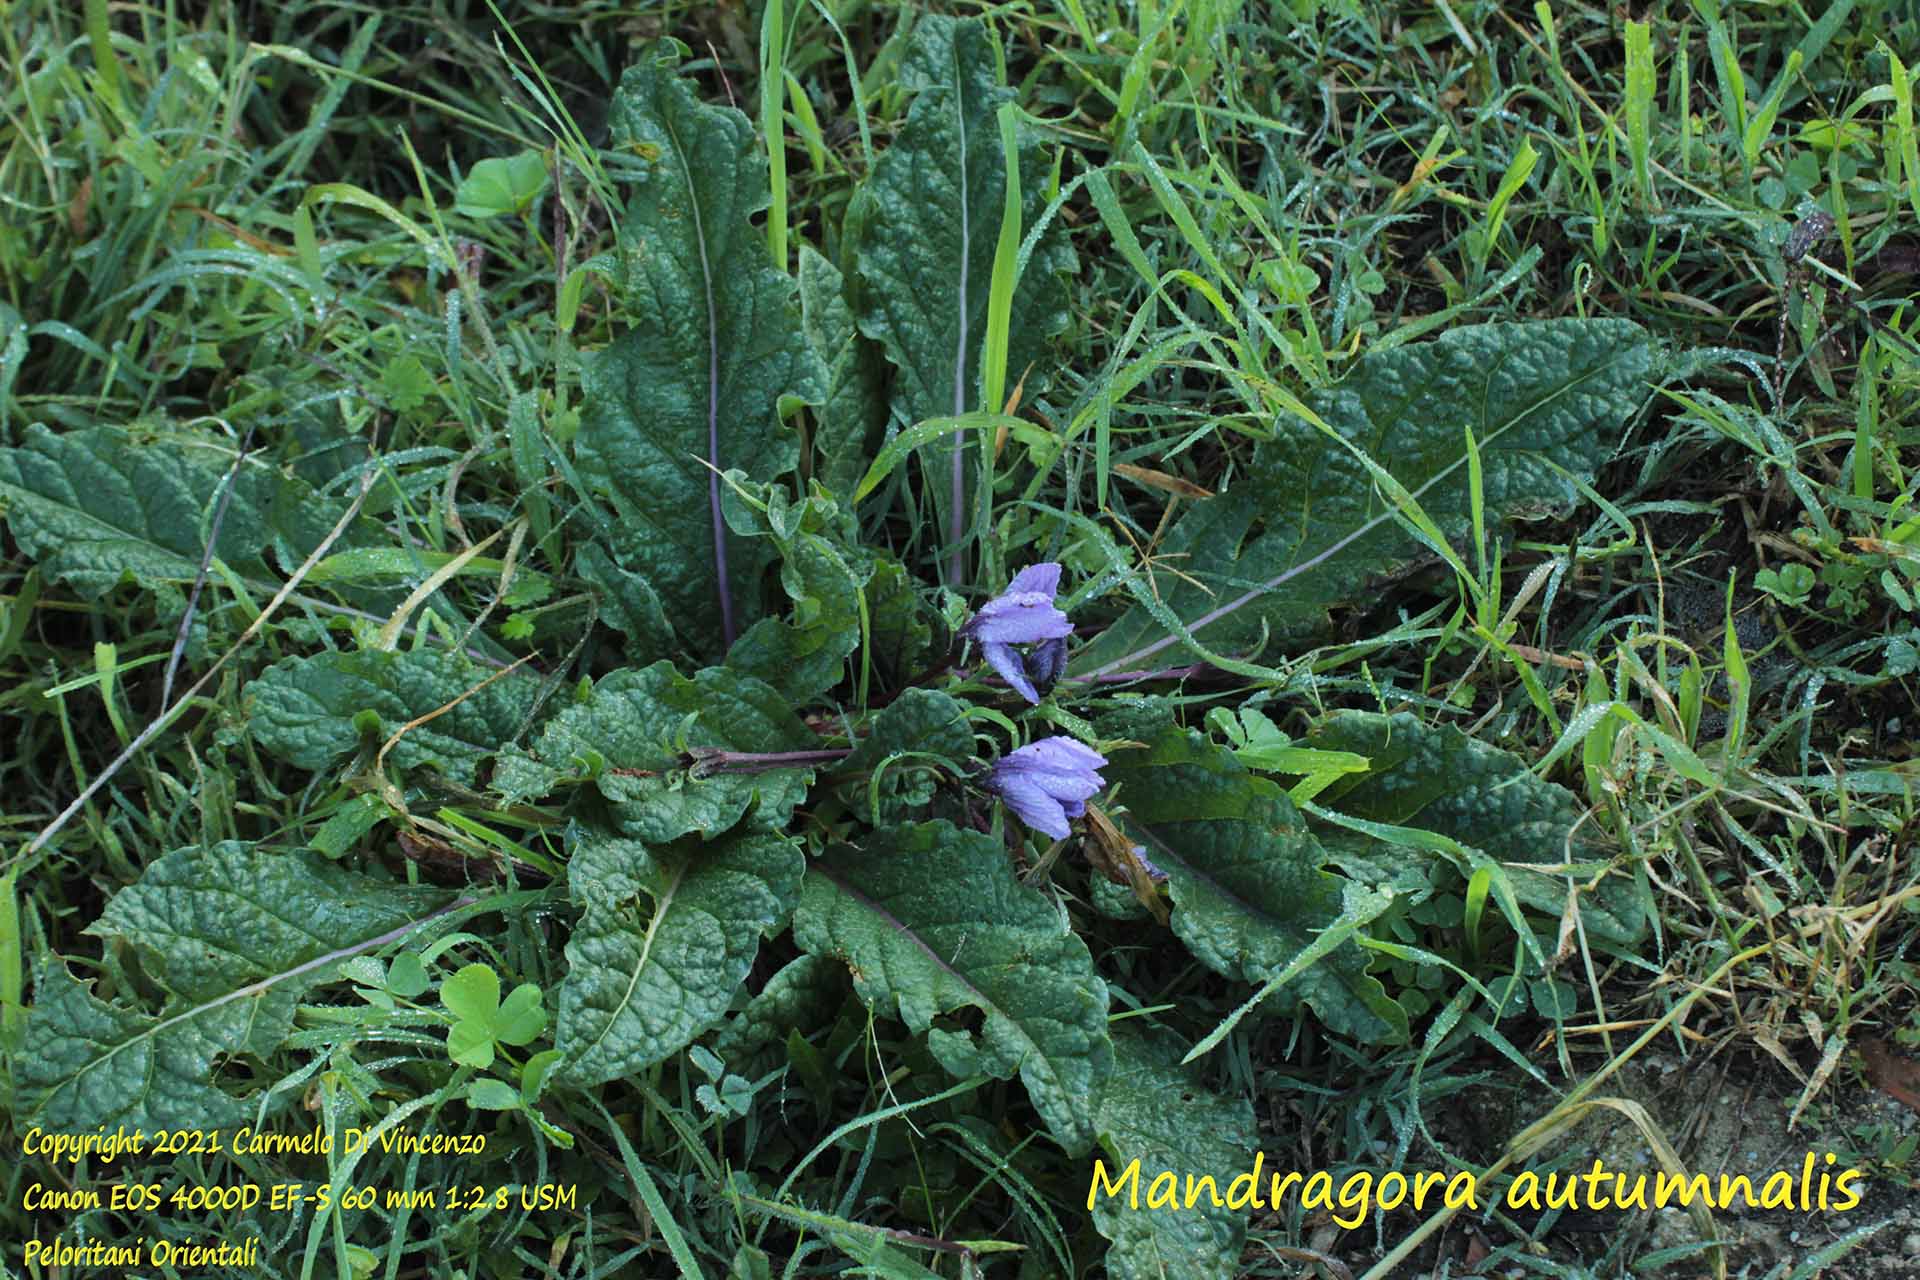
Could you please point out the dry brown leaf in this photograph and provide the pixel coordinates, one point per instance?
(1111, 854)
(1893, 1075)
(1162, 481)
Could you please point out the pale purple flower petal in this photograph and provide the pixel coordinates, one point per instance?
(1043, 578)
(1047, 782)
(1063, 757)
(1019, 619)
(1032, 805)
(1005, 659)
(1024, 613)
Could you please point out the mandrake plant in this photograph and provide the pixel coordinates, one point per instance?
(836, 641)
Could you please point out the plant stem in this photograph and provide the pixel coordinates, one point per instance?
(713, 760)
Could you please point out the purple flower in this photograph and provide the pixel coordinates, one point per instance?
(1046, 663)
(1024, 614)
(1047, 782)
(1154, 873)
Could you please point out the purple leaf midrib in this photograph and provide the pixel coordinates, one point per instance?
(1293, 571)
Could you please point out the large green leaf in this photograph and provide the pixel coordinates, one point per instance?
(913, 749)
(311, 711)
(234, 934)
(822, 571)
(667, 937)
(841, 593)
(103, 505)
(1438, 779)
(1309, 526)
(802, 995)
(919, 721)
(902, 625)
(628, 602)
(931, 920)
(633, 735)
(1156, 1114)
(922, 233)
(855, 405)
(89, 1063)
(716, 359)
(1246, 877)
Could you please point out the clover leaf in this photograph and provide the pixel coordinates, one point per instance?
(1791, 584)
(385, 986)
(482, 1020)
(502, 184)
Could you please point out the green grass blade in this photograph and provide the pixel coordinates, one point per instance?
(773, 85)
(1761, 124)
(1640, 104)
(649, 1193)
(105, 62)
(1006, 252)
(1739, 693)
